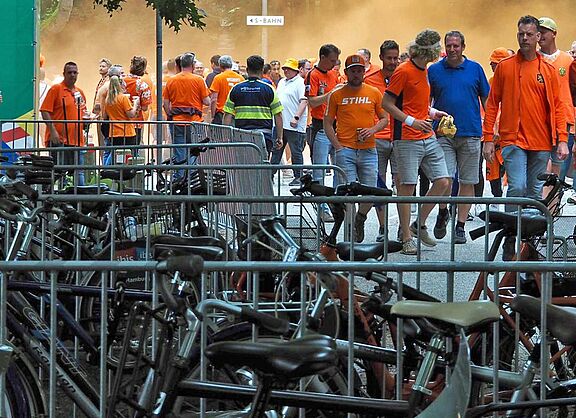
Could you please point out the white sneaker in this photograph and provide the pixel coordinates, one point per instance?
(494, 207)
(413, 208)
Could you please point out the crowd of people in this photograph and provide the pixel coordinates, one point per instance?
(430, 114)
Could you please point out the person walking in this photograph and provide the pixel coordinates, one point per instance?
(532, 120)
(415, 145)
(221, 86)
(461, 152)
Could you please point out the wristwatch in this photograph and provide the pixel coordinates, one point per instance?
(296, 117)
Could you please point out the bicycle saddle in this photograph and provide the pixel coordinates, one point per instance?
(532, 222)
(286, 359)
(124, 174)
(209, 253)
(362, 252)
(89, 190)
(463, 314)
(558, 318)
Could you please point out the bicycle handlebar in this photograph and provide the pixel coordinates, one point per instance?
(358, 189)
(72, 215)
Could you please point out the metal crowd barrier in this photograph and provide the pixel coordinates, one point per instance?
(245, 226)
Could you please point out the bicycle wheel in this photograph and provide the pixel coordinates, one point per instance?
(24, 396)
(332, 382)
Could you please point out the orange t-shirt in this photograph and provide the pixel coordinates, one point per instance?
(562, 64)
(355, 108)
(222, 84)
(137, 87)
(409, 86)
(186, 90)
(318, 83)
(61, 102)
(376, 79)
(117, 111)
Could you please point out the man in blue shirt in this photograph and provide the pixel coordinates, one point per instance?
(458, 86)
(252, 105)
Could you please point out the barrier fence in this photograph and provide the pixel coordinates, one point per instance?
(246, 264)
(236, 273)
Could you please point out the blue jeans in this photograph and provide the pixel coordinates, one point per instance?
(522, 168)
(295, 140)
(359, 165)
(568, 162)
(182, 135)
(322, 148)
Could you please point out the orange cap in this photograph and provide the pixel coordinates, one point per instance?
(498, 55)
(354, 60)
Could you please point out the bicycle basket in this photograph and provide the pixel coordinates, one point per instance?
(301, 229)
(133, 223)
(213, 182)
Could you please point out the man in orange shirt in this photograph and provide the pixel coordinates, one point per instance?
(183, 98)
(356, 106)
(65, 101)
(389, 55)
(221, 86)
(367, 55)
(137, 87)
(561, 60)
(415, 144)
(532, 119)
(320, 81)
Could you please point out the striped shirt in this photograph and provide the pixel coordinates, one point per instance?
(253, 104)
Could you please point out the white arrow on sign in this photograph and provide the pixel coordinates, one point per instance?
(265, 20)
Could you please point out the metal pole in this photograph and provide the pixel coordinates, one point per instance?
(265, 31)
(159, 126)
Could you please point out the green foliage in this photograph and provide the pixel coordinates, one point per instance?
(173, 12)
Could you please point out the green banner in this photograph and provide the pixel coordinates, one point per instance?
(17, 57)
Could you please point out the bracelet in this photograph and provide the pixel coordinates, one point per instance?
(409, 120)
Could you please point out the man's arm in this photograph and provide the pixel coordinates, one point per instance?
(389, 105)
(279, 123)
(213, 100)
(318, 100)
(330, 132)
(167, 106)
(483, 100)
(228, 119)
(54, 137)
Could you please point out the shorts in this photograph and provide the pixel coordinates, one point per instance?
(413, 154)
(385, 150)
(462, 153)
(359, 164)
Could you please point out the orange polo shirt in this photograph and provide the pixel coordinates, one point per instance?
(186, 90)
(530, 89)
(409, 86)
(61, 103)
(562, 65)
(376, 79)
(318, 83)
(355, 108)
(222, 84)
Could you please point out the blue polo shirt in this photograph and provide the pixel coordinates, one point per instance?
(456, 90)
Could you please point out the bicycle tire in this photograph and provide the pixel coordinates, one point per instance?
(24, 396)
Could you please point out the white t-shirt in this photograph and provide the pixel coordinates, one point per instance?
(289, 93)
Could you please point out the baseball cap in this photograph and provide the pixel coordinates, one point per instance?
(353, 61)
(291, 63)
(548, 23)
(499, 54)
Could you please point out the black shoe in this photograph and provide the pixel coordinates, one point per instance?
(441, 222)
(509, 248)
(459, 235)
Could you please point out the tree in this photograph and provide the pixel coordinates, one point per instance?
(173, 12)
